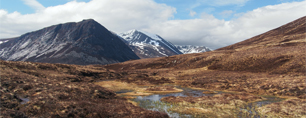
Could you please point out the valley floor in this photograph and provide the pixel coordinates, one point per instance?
(246, 86)
(270, 64)
(59, 90)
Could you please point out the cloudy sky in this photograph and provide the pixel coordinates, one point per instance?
(212, 23)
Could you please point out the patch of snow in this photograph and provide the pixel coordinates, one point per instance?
(52, 48)
(155, 48)
(148, 40)
(129, 35)
(187, 49)
(3, 41)
(170, 47)
(140, 45)
(46, 36)
(25, 44)
(27, 53)
(153, 36)
(152, 42)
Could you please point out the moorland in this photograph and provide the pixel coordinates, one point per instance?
(270, 64)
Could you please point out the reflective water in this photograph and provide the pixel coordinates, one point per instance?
(269, 100)
(153, 102)
(185, 93)
(24, 100)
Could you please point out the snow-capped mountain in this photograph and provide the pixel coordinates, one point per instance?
(85, 42)
(187, 49)
(147, 45)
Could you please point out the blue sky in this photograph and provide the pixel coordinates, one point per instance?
(185, 9)
(224, 11)
(212, 23)
(21, 6)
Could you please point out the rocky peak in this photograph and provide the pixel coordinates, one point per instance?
(148, 45)
(85, 42)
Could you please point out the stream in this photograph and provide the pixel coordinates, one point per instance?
(153, 102)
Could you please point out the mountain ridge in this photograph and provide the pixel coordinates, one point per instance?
(147, 45)
(68, 43)
(283, 34)
(276, 51)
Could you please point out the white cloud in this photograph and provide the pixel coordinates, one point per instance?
(226, 13)
(34, 4)
(116, 15)
(192, 13)
(216, 33)
(147, 15)
(224, 2)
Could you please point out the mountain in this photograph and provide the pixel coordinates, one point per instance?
(272, 63)
(281, 50)
(82, 43)
(147, 45)
(187, 49)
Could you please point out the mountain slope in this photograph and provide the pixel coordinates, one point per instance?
(279, 51)
(147, 45)
(85, 42)
(292, 33)
(187, 49)
(273, 63)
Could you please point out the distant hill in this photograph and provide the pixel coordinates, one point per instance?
(82, 43)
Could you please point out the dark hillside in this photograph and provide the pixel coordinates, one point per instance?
(83, 43)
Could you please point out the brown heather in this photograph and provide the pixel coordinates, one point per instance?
(60, 90)
(273, 63)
